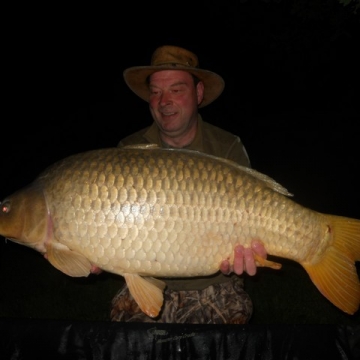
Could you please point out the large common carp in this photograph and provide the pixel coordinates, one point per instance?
(144, 212)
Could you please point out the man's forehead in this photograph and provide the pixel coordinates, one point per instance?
(170, 75)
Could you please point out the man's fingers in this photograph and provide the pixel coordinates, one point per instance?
(258, 247)
(250, 266)
(225, 267)
(244, 259)
(238, 266)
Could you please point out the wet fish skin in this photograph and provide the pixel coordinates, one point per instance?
(144, 212)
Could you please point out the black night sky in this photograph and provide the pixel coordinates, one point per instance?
(290, 72)
(291, 94)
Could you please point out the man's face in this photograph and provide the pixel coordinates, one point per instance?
(174, 101)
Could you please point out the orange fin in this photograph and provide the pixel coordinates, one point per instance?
(147, 292)
(262, 262)
(69, 262)
(335, 274)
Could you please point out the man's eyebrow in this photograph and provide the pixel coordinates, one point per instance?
(172, 85)
(179, 83)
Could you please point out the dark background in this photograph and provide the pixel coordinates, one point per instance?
(291, 94)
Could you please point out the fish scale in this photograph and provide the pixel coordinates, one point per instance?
(143, 211)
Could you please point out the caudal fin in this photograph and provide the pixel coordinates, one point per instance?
(335, 275)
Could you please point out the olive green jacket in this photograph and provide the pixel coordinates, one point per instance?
(209, 139)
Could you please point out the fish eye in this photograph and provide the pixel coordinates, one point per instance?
(5, 207)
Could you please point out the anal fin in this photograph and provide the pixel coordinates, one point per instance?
(262, 262)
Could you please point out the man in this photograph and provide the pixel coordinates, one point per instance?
(176, 88)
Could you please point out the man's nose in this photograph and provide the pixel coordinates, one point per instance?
(165, 99)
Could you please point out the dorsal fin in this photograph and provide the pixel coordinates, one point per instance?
(141, 146)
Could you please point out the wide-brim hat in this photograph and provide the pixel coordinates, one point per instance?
(173, 58)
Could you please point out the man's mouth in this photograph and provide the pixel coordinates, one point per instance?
(168, 113)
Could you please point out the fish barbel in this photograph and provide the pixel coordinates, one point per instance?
(144, 212)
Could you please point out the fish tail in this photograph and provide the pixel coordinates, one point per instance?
(335, 275)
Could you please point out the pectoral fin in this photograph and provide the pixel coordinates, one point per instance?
(147, 292)
(69, 262)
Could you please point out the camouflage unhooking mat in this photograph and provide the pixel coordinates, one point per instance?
(224, 303)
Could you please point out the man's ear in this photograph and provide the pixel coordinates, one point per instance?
(200, 92)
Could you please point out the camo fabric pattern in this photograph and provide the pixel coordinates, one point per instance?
(225, 303)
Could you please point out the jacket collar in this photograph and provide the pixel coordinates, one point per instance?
(152, 135)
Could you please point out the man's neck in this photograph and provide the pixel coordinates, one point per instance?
(180, 141)
(177, 142)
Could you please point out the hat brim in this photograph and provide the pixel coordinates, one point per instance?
(135, 78)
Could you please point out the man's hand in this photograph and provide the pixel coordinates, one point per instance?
(244, 259)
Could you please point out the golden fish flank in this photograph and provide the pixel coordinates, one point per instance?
(145, 211)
